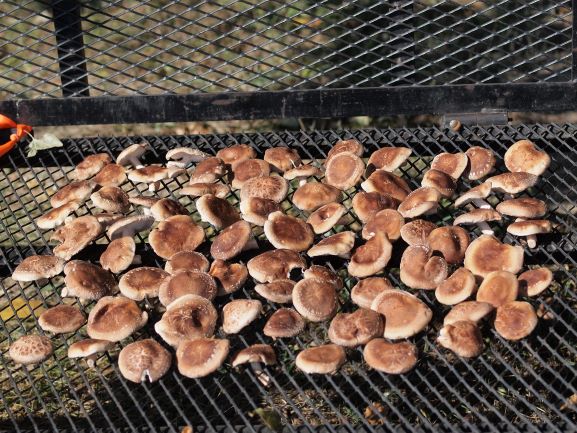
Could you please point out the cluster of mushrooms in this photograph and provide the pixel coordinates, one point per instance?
(439, 258)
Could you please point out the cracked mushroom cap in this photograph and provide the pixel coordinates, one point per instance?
(199, 189)
(450, 241)
(302, 172)
(129, 226)
(421, 201)
(344, 170)
(476, 216)
(481, 162)
(420, 269)
(285, 231)
(441, 181)
(326, 217)
(367, 204)
(236, 153)
(144, 282)
(339, 245)
(529, 227)
(372, 257)
(384, 182)
(78, 191)
(282, 158)
(230, 276)
(416, 232)
(387, 221)
(326, 359)
(61, 319)
(261, 353)
(512, 183)
(175, 234)
(313, 195)
(479, 192)
(187, 318)
(87, 281)
(131, 154)
(273, 188)
(201, 357)
(240, 313)
(256, 210)
(457, 288)
(231, 241)
(30, 349)
(351, 145)
(498, 288)
(365, 291)
(91, 165)
(115, 318)
(57, 216)
(355, 329)
(111, 175)
(405, 314)
(316, 300)
(279, 291)
(144, 359)
(119, 254)
(388, 158)
(34, 268)
(535, 281)
(524, 207)
(325, 274)
(463, 338)
(216, 211)
(487, 254)
(165, 208)
(184, 283)
(183, 156)
(88, 347)
(284, 323)
(523, 156)
(208, 170)
(515, 320)
(390, 358)
(471, 311)
(247, 169)
(452, 164)
(187, 260)
(75, 235)
(111, 199)
(274, 265)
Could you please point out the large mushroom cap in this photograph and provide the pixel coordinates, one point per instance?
(515, 320)
(174, 235)
(144, 359)
(284, 323)
(524, 207)
(481, 162)
(87, 281)
(230, 276)
(487, 254)
(115, 318)
(471, 311)
(344, 170)
(453, 164)
(111, 199)
(463, 338)
(236, 153)
(441, 181)
(420, 269)
(78, 191)
(208, 170)
(285, 231)
(339, 244)
(365, 291)
(88, 348)
(282, 158)
(316, 300)
(76, 235)
(274, 265)
(34, 268)
(476, 216)
(457, 288)
(498, 288)
(273, 188)
(129, 226)
(199, 189)
(239, 313)
(512, 183)
(390, 358)
(350, 145)
(388, 158)
(367, 204)
(384, 182)
(187, 260)
(529, 227)
(325, 359)
(216, 211)
(421, 201)
(387, 221)
(534, 281)
(357, 328)
(166, 207)
(57, 216)
(405, 314)
(280, 291)
(61, 319)
(201, 357)
(261, 353)
(247, 169)
(231, 241)
(144, 282)
(91, 165)
(372, 257)
(326, 217)
(118, 255)
(130, 155)
(479, 192)
(325, 274)
(523, 156)
(256, 210)
(313, 195)
(186, 283)
(111, 175)
(30, 349)
(416, 232)
(450, 241)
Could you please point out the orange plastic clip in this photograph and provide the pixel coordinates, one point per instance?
(21, 129)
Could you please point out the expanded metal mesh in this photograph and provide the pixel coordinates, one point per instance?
(530, 383)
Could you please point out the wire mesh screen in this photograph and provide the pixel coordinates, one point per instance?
(531, 383)
(158, 47)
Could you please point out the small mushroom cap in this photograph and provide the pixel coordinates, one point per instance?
(463, 338)
(145, 201)
(388, 158)
(325, 274)
(118, 255)
(187, 318)
(351, 145)
(61, 319)
(416, 232)
(256, 210)
(79, 191)
(129, 226)
(87, 281)
(529, 227)
(326, 217)
(273, 188)
(107, 219)
(367, 204)
(457, 288)
(201, 357)
(515, 320)
(357, 328)
(187, 260)
(185, 155)
(387, 221)
(365, 291)
(481, 162)
(280, 291)
(534, 281)
(512, 183)
(216, 211)
(524, 207)
(91, 165)
(239, 313)
(236, 153)
(339, 244)
(486, 254)
(316, 300)
(115, 318)
(372, 257)
(144, 282)
(523, 156)
(131, 153)
(344, 170)
(261, 353)
(390, 358)
(184, 283)
(75, 236)
(313, 195)
(231, 276)
(453, 164)
(282, 158)
(420, 269)
(326, 359)
(175, 234)
(30, 349)
(450, 241)
(284, 323)
(111, 175)
(420, 201)
(274, 265)
(88, 347)
(479, 192)
(302, 171)
(441, 181)
(498, 288)
(471, 311)
(384, 182)
(148, 174)
(247, 169)
(57, 216)
(111, 199)
(405, 314)
(285, 231)
(476, 216)
(166, 207)
(208, 170)
(34, 268)
(144, 359)
(231, 241)
(199, 189)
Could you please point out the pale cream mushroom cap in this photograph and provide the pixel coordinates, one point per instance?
(388, 158)
(302, 172)
(261, 353)
(325, 359)
(129, 226)
(372, 257)
(89, 348)
(144, 359)
(34, 268)
(535, 281)
(57, 216)
(453, 164)
(421, 201)
(339, 244)
(273, 188)
(199, 189)
(75, 236)
(523, 156)
(512, 183)
(131, 154)
(476, 216)
(78, 191)
(240, 313)
(115, 318)
(183, 156)
(236, 153)
(91, 165)
(30, 349)
(457, 288)
(476, 193)
(119, 254)
(326, 217)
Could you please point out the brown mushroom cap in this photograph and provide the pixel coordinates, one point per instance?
(57, 216)
(471, 311)
(199, 189)
(534, 281)
(247, 169)
(326, 217)
(420, 269)
(479, 192)
(344, 170)
(187, 318)
(486, 254)
(367, 204)
(88, 347)
(107, 219)
(387, 221)
(149, 174)
(481, 162)
(144, 282)
(91, 165)
(174, 235)
(316, 300)
(187, 260)
(476, 216)
(405, 314)
(34, 268)
(216, 211)
(129, 226)
(325, 274)
(280, 291)
(372, 257)
(302, 172)
(111, 199)
(498, 288)
(384, 182)
(441, 181)
(78, 191)
(231, 241)
(326, 359)
(130, 155)
(357, 328)
(512, 183)
(240, 313)
(313, 195)
(236, 153)
(515, 320)
(284, 323)
(421, 201)
(450, 241)
(390, 358)
(453, 164)
(182, 156)
(87, 281)
(274, 265)
(529, 227)
(118, 255)
(457, 288)
(230, 276)
(30, 349)
(115, 318)
(282, 158)
(463, 338)
(144, 359)
(75, 236)
(111, 175)
(388, 158)
(365, 291)
(261, 353)
(61, 319)
(256, 210)
(416, 232)
(351, 145)
(523, 156)
(339, 244)
(166, 207)
(208, 170)
(273, 188)
(201, 357)
(285, 231)
(524, 207)
(186, 283)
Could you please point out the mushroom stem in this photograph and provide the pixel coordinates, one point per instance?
(91, 360)
(485, 228)
(177, 164)
(480, 203)
(64, 292)
(532, 241)
(154, 186)
(262, 377)
(146, 211)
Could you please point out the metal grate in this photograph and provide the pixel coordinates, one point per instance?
(512, 385)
